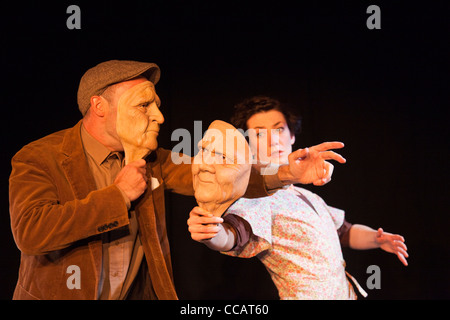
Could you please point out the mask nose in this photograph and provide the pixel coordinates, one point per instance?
(205, 162)
(155, 114)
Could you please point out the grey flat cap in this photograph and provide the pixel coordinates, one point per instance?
(98, 78)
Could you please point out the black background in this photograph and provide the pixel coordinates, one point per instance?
(384, 93)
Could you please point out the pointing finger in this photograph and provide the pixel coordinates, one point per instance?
(328, 145)
(331, 155)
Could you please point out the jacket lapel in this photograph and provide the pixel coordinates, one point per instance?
(75, 164)
(77, 171)
(152, 228)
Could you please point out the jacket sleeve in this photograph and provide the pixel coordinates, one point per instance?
(178, 177)
(43, 219)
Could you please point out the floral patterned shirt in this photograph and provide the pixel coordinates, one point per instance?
(298, 244)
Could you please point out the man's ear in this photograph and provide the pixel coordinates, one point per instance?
(98, 105)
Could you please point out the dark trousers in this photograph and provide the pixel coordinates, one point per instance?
(142, 288)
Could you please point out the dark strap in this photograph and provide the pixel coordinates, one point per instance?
(301, 196)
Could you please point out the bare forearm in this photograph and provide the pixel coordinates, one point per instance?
(362, 237)
(223, 241)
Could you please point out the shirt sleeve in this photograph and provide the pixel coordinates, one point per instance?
(337, 215)
(344, 233)
(242, 230)
(342, 225)
(252, 222)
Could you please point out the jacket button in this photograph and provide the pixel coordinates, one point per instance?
(108, 226)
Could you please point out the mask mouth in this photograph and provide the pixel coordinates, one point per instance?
(152, 126)
(152, 131)
(205, 177)
(206, 182)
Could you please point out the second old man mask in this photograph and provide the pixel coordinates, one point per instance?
(221, 169)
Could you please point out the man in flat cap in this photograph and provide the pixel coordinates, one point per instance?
(90, 225)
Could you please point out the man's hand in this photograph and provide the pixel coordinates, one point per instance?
(393, 243)
(203, 225)
(132, 179)
(309, 165)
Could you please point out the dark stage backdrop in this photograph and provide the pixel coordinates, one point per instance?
(384, 93)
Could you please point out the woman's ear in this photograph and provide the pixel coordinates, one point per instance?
(292, 139)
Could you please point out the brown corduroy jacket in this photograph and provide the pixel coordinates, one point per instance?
(58, 216)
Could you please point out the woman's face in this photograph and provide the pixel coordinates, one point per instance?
(270, 138)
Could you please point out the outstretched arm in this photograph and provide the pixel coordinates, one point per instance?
(307, 166)
(210, 230)
(363, 238)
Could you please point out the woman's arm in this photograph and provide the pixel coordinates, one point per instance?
(363, 237)
(210, 230)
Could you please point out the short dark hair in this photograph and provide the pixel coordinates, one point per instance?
(248, 107)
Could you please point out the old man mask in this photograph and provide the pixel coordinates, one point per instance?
(137, 124)
(221, 169)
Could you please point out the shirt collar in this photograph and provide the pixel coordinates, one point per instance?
(93, 147)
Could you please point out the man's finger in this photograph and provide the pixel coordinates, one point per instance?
(402, 259)
(203, 236)
(398, 237)
(300, 153)
(198, 228)
(331, 155)
(197, 220)
(403, 252)
(201, 212)
(138, 163)
(328, 172)
(320, 182)
(328, 145)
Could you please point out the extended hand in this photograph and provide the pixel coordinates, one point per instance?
(392, 243)
(309, 166)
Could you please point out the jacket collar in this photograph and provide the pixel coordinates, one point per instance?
(93, 148)
(75, 164)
